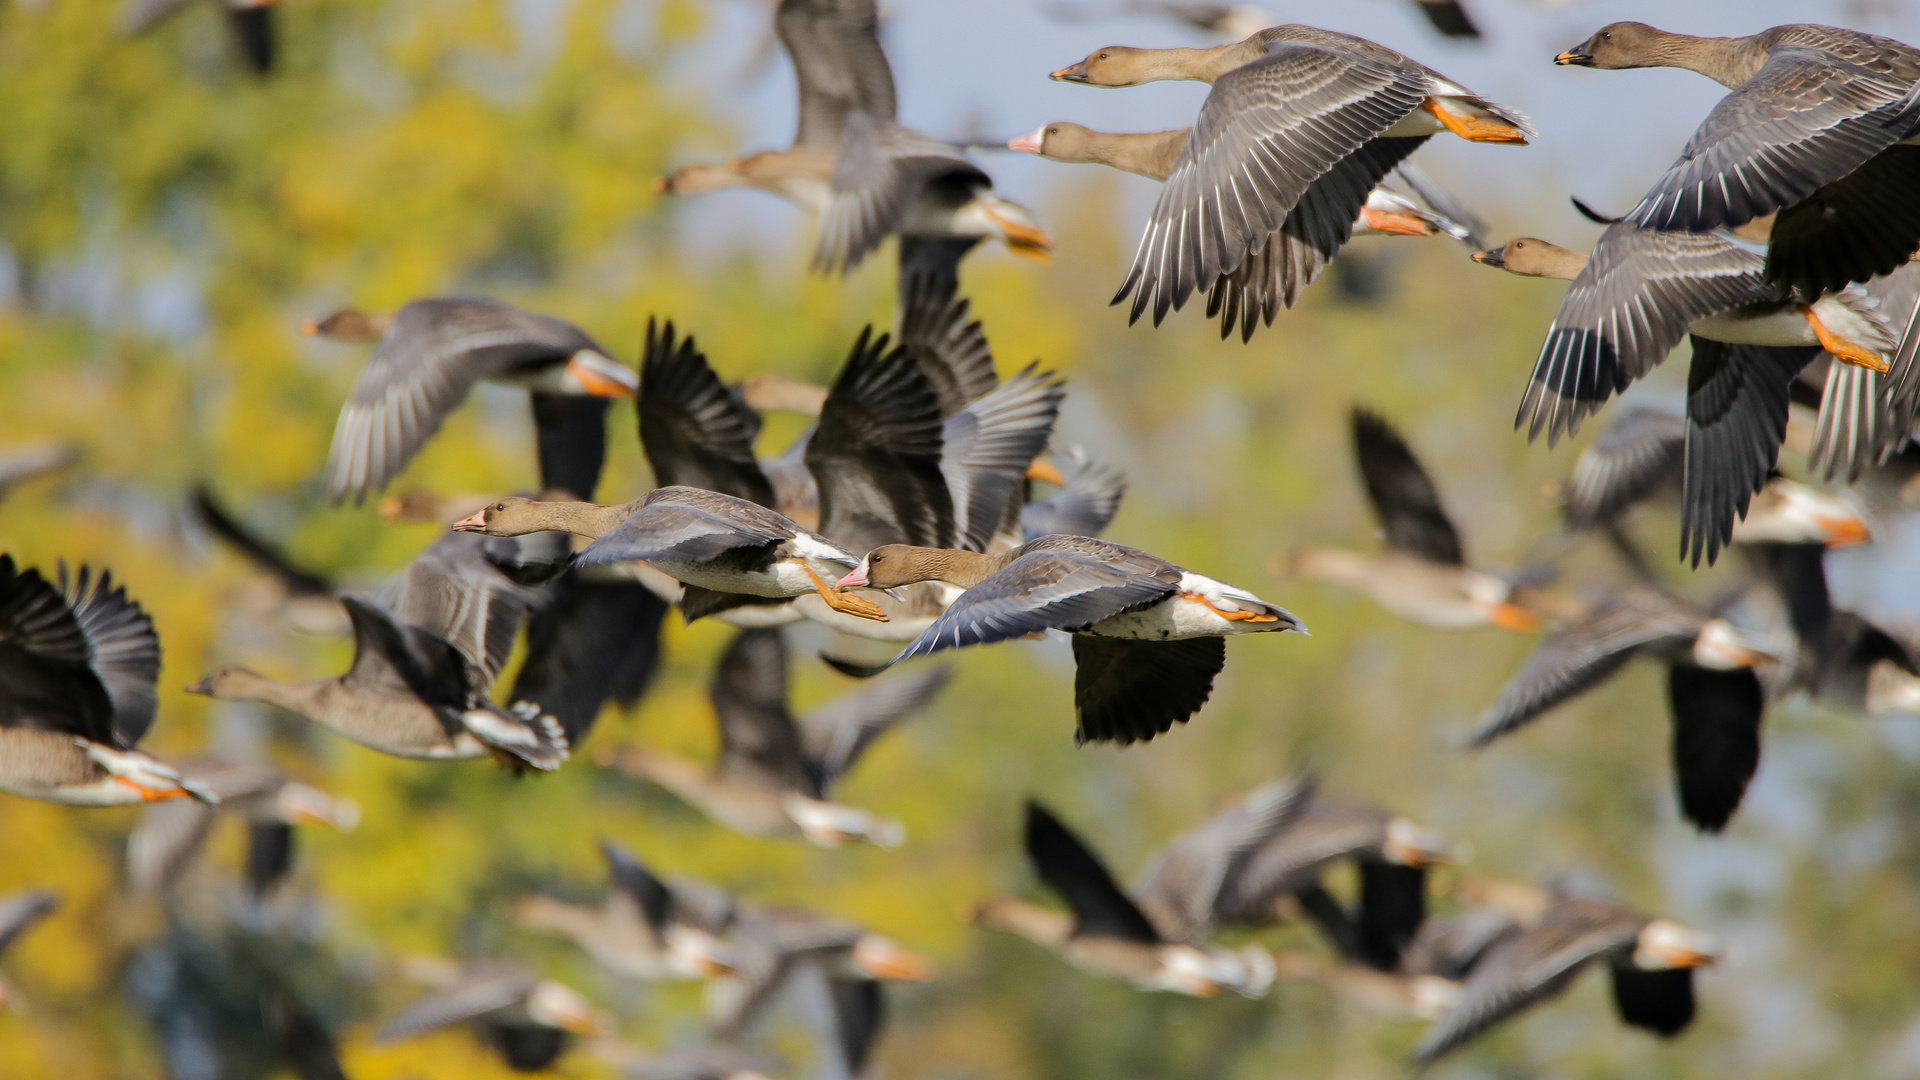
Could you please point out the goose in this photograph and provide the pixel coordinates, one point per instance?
(429, 355)
(27, 461)
(776, 772)
(1323, 116)
(852, 165)
(1088, 497)
(18, 913)
(1811, 146)
(1651, 962)
(1237, 21)
(169, 835)
(303, 598)
(1423, 574)
(641, 931)
(1107, 933)
(1146, 633)
(78, 663)
(525, 1017)
(1840, 658)
(711, 1061)
(1187, 888)
(252, 21)
(1714, 692)
(423, 661)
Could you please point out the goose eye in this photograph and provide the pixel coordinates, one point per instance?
(501, 506)
(1103, 56)
(1606, 37)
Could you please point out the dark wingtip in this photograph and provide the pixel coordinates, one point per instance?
(1590, 213)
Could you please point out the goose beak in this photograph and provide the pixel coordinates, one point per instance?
(1076, 73)
(1847, 532)
(309, 327)
(883, 959)
(661, 185)
(476, 523)
(1494, 257)
(1032, 140)
(600, 376)
(853, 580)
(1046, 472)
(203, 687)
(1510, 616)
(1575, 57)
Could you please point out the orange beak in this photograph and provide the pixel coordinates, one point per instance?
(602, 377)
(882, 959)
(661, 185)
(1510, 616)
(1848, 532)
(475, 523)
(853, 580)
(1043, 470)
(1076, 73)
(309, 327)
(1573, 57)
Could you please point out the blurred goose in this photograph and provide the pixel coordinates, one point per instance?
(1236, 21)
(78, 663)
(1322, 116)
(168, 836)
(423, 662)
(304, 598)
(1813, 137)
(1107, 933)
(713, 1061)
(700, 538)
(1088, 497)
(523, 1016)
(1716, 697)
(18, 913)
(1189, 886)
(854, 166)
(430, 354)
(1423, 574)
(27, 461)
(252, 22)
(1651, 962)
(775, 773)
(1146, 633)
(640, 931)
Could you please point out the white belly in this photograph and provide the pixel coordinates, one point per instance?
(784, 578)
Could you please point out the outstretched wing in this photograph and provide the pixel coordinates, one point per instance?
(1064, 863)
(835, 734)
(1041, 590)
(1402, 494)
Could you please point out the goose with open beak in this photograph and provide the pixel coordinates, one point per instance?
(776, 773)
(1147, 634)
(1651, 962)
(1716, 697)
(1301, 124)
(641, 931)
(1815, 136)
(1423, 574)
(428, 357)
(528, 1019)
(78, 663)
(1107, 933)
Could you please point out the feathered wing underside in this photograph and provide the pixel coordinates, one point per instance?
(570, 441)
(759, 741)
(45, 678)
(988, 446)
(1181, 887)
(1643, 451)
(1585, 653)
(695, 431)
(122, 647)
(882, 171)
(1069, 869)
(936, 330)
(473, 1000)
(396, 661)
(1402, 494)
(1624, 312)
(597, 641)
(837, 733)
(838, 63)
(876, 455)
(1716, 740)
(457, 592)
(1865, 224)
(1084, 507)
(1127, 691)
(1737, 397)
(1268, 130)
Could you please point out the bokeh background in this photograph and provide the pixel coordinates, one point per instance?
(167, 220)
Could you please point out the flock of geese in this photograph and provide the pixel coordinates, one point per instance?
(927, 507)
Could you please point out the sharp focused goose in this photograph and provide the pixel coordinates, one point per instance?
(1146, 633)
(1423, 574)
(523, 1016)
(18, 913)
(1715, 695)
(169, 835)
(252, 22)
(1815, 132)
(776, 773)
(1107, 933)
(431, 353)
(641, 931)
(78, 663)
(1320, 118)
(1651, 961)
(852, 164)
(424, 659)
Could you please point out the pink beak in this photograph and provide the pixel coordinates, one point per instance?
(851, 580)
(476, 523)
(1030, 142)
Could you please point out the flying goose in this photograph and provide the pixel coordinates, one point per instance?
(78, 663)
(424, 659)
(1813, 137)
(525, 1017)
(1191, 885)
(776, 772)
(18, 913)
(1423, 574)
(430, 354)
(1108, 933)
(1146, 633)
(1236, 21)
(1322, 117)
(1651, 962)
(641, 931)
(1716, 697)
(169, 835)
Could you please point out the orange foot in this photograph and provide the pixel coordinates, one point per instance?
(1842, 349)
(149, 794)
(845, 603)
(1475, 127)
(1386, 221)
(1231, 616)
